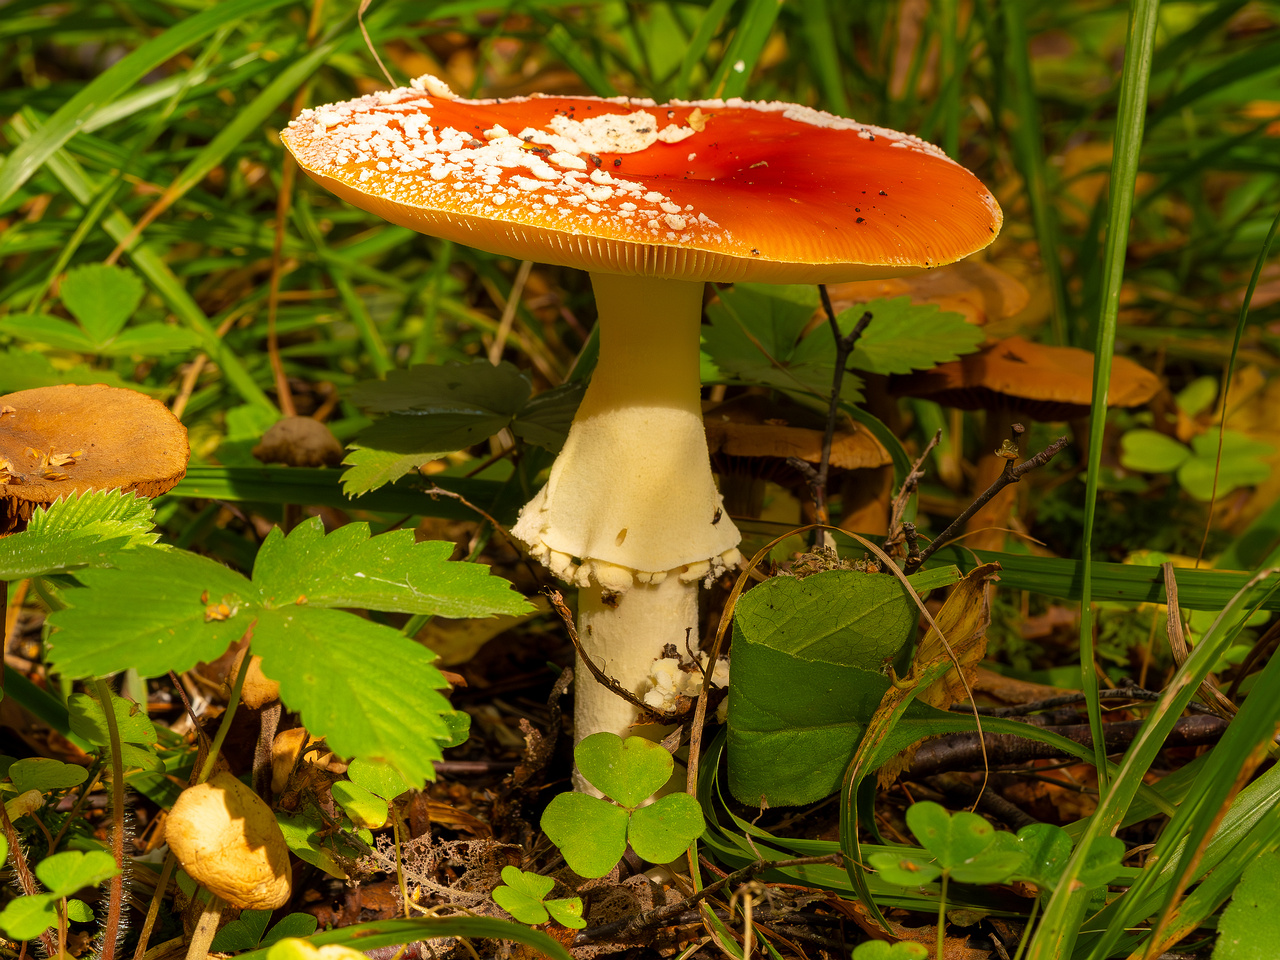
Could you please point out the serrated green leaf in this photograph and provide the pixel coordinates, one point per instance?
(151, 340)
(51, 331)
(591, 833)
(151, 612)
(663, 830)
(544, 421)
(364, 809)
(25, 918)
(77, 531)
(1250, 925)
(348, 568)
(43, 774)
(904, 336)
(628, 771)
(66, 872)
(399, 443)
(378, 778)
(102, 297)
(1151, 452)
(79, 911)
(322, 660)
(90, 722)
(755, 337)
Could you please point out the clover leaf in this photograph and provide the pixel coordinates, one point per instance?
(522, 897)
(593, 834)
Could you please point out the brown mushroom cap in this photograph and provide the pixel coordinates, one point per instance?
(228, 840)
(754, 426)
(68, 439)
(1041, 382)
(706, 190)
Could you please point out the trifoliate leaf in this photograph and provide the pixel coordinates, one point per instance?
(1151, 452)
(522, 893)
(880, 950)
(43, 774)
(367, 689)
(65, 873)
(80, 530)
(567, 912)
(102, 297)
(1046, 850)
(300, 836)
(348, 568)
(910, 868)
(157, 610)
(292, 925)
(1241, 464)
(79, 911)
(243, 933)
(904, 336)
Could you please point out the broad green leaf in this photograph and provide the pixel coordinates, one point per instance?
(157, 610)
(1250, 925)
(77, 531)
(25, 918)
(102, 297)
(65, 873)
(151, 340)
(904, 336)
(24, 369)
(322, 660)
(243, 933)
(1151, 452)
(663, 830)
(591, 833)
(1195, 397)
(43, 774)
(364, 809)
(378, 778)
(89, 721)
(458, 723)
(300, 832)
(627, 771)
(348, 568)
(802, 693)
(1102, 861)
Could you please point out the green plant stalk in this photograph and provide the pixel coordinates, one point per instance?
(942, 915)
(224, 725)
(1124, 172)
(115, 899)
(1231, 366)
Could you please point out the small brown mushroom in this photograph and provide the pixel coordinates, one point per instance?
(66, 439)
(228, 840)
(299, 442)
(1014, 379)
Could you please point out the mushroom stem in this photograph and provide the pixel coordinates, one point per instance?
(630, 513)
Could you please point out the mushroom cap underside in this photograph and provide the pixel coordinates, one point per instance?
(69, 438)
(1044, 382)
(709, 190)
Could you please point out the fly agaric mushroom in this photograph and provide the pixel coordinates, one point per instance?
(1014, 378)
(654, 200)
(66, 439)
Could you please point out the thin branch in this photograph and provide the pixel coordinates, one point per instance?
(909, 483)
(1010, 475)
(654, 917)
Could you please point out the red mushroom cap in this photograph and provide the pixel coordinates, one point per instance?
(705, 190)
